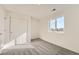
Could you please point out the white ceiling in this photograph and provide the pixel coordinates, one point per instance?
(37, 11)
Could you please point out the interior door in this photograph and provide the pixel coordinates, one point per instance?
(19, 30)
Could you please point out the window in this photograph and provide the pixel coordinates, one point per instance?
(57, 24)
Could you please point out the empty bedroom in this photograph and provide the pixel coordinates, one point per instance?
(39, 29)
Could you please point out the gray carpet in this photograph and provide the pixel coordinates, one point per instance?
(40, 47)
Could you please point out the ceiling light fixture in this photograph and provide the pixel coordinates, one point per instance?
(53, 10)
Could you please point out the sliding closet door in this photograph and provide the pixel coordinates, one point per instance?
(19, 30)
(1, 30)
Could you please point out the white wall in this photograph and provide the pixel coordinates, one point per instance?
(2, 25)
(70, 38)
(35, 27)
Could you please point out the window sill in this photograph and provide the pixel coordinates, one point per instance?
(59, 31)
(56, 31)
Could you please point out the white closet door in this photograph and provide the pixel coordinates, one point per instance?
(1, 30)
(19, 30)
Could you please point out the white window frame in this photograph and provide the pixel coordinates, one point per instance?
(56, 29)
